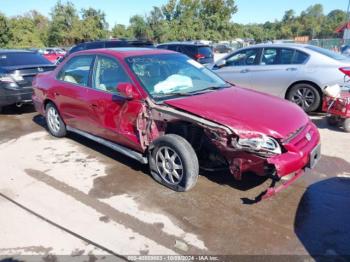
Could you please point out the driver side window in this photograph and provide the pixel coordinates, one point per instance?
(108, 73)
(243, 58)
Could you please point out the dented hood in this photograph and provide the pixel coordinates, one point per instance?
(245, 111)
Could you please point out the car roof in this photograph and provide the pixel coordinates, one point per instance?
(127, 51)
(7, 51)
(281, 45)
(192, 43)
(117, 40)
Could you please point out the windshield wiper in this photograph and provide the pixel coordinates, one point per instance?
(209, 88)
(196, 92)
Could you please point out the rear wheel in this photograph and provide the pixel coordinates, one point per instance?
(306, 96)
(54, 121)
(174, 163)
(346, 125)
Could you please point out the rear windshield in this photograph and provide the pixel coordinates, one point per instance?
(205, 50)
(19, 59)
(326, 52)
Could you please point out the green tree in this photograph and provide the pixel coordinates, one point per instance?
(5, 32)
(24, 32)
(65, 27)
(120, 31)
(139, 27)
(93, 25)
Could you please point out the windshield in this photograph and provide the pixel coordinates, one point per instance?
(167, 75)
(326, 52)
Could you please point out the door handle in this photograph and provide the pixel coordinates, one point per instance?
(291, 69)
(244, 71)
(57, 94)
(94, 105)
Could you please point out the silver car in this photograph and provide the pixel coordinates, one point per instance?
(291, 71)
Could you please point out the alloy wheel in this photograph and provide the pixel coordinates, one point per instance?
(304, 97)
(53, 119)
(169, 165)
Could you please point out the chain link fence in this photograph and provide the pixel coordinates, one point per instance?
(334, 44)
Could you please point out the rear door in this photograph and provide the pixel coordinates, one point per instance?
(70, 92)
(277, 70)
(114, 117)
(237, 69)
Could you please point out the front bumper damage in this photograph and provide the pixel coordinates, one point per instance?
(301, 150)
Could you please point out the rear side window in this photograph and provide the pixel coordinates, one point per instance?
(286, 56)
(22, 58)
(108, 73)
(205, 50)
(300, 57)
(77, 70)
(282, 56)
(269, 56)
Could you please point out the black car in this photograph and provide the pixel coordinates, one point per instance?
(220, 48)
(17, 69)
(110, 44)
(200, 52)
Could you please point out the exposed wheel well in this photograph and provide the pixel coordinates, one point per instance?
(46, 101)
(303, 82)
(207, 153)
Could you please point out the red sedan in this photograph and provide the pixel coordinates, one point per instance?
(164, 109)
(53, 54)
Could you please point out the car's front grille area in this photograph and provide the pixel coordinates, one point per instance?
(301, 137)
(293, 135)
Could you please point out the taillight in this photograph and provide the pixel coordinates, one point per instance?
(345, 70)
(10, 81)
(199, 56)
(6, 78)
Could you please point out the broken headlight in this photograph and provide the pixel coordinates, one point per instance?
(263, 145)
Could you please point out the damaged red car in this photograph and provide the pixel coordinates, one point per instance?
(166, 110)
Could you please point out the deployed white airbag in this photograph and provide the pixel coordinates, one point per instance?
(173, 83)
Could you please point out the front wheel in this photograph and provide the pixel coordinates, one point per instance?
(306, 96)
(174, 163)
(54, 121)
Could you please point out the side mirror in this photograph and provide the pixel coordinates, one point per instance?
(220, 63)
(128, 91)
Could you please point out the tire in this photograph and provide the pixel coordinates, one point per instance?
(306, 96)
(332, 120)
(178, 169)
(54, 122)
(346, 125)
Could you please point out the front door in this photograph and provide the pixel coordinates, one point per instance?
(114, 116)
(237, 69)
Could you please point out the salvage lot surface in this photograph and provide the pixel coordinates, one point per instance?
(102, 202)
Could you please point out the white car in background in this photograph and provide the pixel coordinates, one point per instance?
(295, 72)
